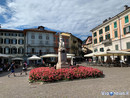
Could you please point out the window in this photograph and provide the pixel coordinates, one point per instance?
(7, 50)
(33, 37)
(21, 35)
(95, 41)
(33, 50)
(1, 33)
(101, 39)
(47, 37)
(67, 40)
(116, 34)
(14, 34)
(95, 34)
(100, 31)
(14, 50)
(40, 36)
(40, 42)
(115, 24)
(116, 47)
(47, 43)
(95, 50)
(108, 36)
(1, 50)
(21, 41)
(126, 19)
(7, 41)
(14, 41)
(40, 52)
(126, 30)
(102, 49)
(1, 41)
(47, 50)
(7, 34)
(106, 28)
(128, 45)
(20, 50)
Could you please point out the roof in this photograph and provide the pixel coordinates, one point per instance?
(111, 19)
(38, 30)
(11, 30)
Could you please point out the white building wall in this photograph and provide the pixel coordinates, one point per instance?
(39, 44)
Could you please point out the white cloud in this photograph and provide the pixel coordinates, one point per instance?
(75, 16)
(2, 9)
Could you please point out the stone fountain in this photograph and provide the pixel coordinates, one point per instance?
(62, 57)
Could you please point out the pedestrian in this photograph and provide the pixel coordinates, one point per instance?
(12, 67)
(24, 68)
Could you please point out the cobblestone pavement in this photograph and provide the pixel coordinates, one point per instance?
(116, 80)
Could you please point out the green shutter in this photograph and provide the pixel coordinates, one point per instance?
(129, 29)
(116, 34)
(124, 31)
(95, 34)
(100, 31)
(128, 45)
(108, 28)
(108, 36)
(115, 24)
(126, 19)
(116, 47)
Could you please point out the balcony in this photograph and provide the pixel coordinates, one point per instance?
(106, 41)
(40, 45)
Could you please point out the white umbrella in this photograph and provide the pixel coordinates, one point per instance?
(18, 59)
(112, 53)
(70, 54)
(49, 55)
(4, 55)
(34, 57)
(89, 55)
(118, 52)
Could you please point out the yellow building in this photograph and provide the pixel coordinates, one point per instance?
(74, 44)
(113, 33)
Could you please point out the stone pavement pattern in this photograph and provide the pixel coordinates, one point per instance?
(116, 79)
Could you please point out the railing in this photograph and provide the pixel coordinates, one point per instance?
(106, 41)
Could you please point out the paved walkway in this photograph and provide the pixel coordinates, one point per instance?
(116, 80)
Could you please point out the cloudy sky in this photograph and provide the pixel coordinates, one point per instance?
(74, 16)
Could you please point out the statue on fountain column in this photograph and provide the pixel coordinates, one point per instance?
(62, 57)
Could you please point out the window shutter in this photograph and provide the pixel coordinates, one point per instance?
(106, 36)
(5, 41)
(124, 31)
(129, 29)
(9, 41)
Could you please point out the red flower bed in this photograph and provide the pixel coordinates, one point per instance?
(47, 74)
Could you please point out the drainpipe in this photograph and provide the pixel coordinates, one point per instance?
(120, 33)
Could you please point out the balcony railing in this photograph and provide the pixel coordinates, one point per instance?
(41, 45)
(106, 41)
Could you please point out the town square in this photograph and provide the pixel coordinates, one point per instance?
(64, 49)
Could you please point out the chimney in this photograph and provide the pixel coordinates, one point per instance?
(41, 27)
(109, 18)
(104, 20)
(125, 7)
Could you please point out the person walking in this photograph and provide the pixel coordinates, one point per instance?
(12, 67)
(24, 68)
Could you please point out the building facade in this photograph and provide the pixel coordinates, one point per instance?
(12, 42)
(39, 41)
(113, 33)
(56, 42)
(75, 44)
(87, 46)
